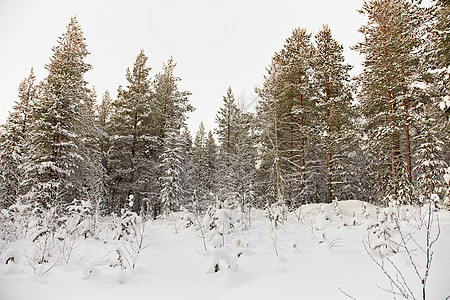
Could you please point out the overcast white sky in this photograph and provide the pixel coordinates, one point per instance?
(215, 43)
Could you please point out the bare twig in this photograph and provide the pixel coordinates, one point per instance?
(399, 285)
(347, 295)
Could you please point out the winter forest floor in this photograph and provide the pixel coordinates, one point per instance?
(320, 251)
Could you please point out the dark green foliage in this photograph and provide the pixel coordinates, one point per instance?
(131, 159)
(55, 164)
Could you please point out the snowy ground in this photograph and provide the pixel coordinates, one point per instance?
(316, 256)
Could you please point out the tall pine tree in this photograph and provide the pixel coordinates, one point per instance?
(131, 156)
(390, 70)
(333, 99)
(55, 164)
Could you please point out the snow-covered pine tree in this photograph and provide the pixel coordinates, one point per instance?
(390, 72)
(297, 114)
(13, 141)
(54, 164)
(131, 156)
(169, 104)
(289, 137)
(334, 101)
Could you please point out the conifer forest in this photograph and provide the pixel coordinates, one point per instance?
(106, 183)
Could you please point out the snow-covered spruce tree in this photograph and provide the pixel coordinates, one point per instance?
(246, 160)
(200, 167)
(334, 101)
(170, 108)
(13, 141)
(187, 164)
(104, 110)
(103, 114)
(236, 156)
(55, 163)
(226, 129)
(440, 27)
(269, 178)
(131, 160)
(430, 166)
(436, 60)
(94, 189)
(211, 164)
(204, 168)
(172, 192)
(390, 72)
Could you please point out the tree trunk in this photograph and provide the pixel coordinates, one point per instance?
(391, 106)
(302, 138)
(327, 98)
(280, 190)
(408, 146)
(291, 137)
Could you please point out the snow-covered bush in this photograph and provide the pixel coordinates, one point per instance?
(382, 231)
(53, 233)
(201, 225)
(80, 219)
(14, 222)
(243, 217)
(48, 239)
(180, 219)
(447, 192)
(219, 222)
(417, 252)
(13, 226)
(276, 213)
(130, 236)
(324, 216)
(184, 219)
(226, 258)
(223, 258)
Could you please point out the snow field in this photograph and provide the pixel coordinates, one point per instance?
(319, 248)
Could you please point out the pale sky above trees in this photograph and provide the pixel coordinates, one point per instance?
(215, 43)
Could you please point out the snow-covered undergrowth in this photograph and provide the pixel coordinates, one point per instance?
(311, 253)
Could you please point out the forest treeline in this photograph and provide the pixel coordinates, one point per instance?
(317, 135)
